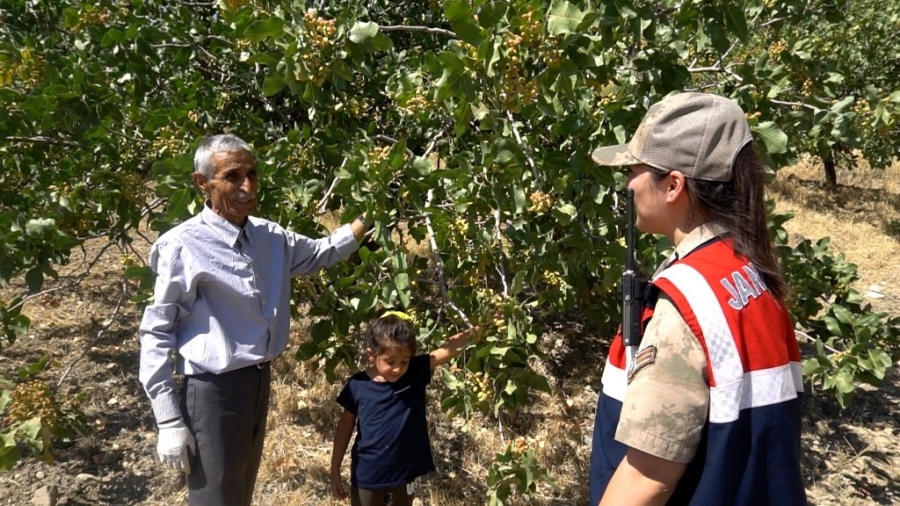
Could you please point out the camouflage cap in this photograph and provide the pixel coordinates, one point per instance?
(697, 134)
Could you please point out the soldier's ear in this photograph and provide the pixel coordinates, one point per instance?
(675, 185)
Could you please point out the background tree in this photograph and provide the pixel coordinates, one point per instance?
(462, 127)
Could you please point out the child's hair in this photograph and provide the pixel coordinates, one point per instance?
(389, 331)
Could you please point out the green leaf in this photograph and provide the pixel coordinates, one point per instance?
(34, 278)
(843, 381)
(422, 165)
(261, 29)
(492, 13)
(468, 32)
(517, 284)
(457, 11)
(273, 84)
(735, 21)
(774, 139)
(380, 42)
(362, 31)
(564, 18)
(521, 199)
(39, 226)
(401, 281)
(842, 314)
(9, 451)
(111, 37)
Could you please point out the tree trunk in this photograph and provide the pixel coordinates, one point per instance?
(830, 173)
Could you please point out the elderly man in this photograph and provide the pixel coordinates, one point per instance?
(220, 315)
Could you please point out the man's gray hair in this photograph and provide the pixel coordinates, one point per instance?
(221, 143)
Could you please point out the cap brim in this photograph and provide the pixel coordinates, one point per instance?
(614, 156)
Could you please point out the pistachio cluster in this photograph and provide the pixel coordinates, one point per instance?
(776, 49)
(862, 107)
(472, 276)
(540, 202)
(531, 28)
(357, 107)
(165, 142)
(132, 187)
(128, 260)
(379, 154)
(515, 90)
(321, 31)
(553, 279)
(416, 105)
(300, 157)
(304, 288)
(30, 399)
(93, 17)
(480, 385)
(460, 226)
(193, 116)
(519, 446)
(552, 57)
(494, 308)
(807, 87)
(30, 71)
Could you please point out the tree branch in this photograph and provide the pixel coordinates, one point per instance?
(385, 138)
(525, 150)
(438, 263)
(324, 202)
(798, 104)
(40, 139)
(500, 269)
(425, 29)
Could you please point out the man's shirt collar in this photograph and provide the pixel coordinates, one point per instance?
(229, 232)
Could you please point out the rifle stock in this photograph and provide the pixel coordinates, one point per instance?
(633, 284)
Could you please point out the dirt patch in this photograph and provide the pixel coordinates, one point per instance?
(850, 456)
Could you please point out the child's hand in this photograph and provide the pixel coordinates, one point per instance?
(337, 486)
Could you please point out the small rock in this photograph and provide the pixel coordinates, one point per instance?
(875, 292)
(86, 476)
(39, 475)
(110, 457)
(45, 496)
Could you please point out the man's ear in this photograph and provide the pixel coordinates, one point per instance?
(201, 181)
(675, 186)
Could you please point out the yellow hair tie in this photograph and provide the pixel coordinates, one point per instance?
(399, 314)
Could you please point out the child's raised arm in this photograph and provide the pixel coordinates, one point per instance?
(452, 346)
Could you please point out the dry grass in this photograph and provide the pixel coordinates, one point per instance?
(861, 216)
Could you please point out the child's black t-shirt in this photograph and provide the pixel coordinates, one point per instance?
(392, 446)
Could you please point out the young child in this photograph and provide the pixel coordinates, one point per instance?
(386, 403)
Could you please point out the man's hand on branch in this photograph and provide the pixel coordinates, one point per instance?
(174, 440)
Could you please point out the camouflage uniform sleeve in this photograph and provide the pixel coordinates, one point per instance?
(666, 405)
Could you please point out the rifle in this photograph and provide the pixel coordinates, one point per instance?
(633, 284)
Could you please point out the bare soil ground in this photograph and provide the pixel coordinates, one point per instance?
(851, 456)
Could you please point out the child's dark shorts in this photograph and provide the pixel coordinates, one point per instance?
(394, 496)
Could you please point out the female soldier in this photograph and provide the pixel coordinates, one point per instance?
(706, 410)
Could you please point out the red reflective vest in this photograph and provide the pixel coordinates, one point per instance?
(750, 449)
